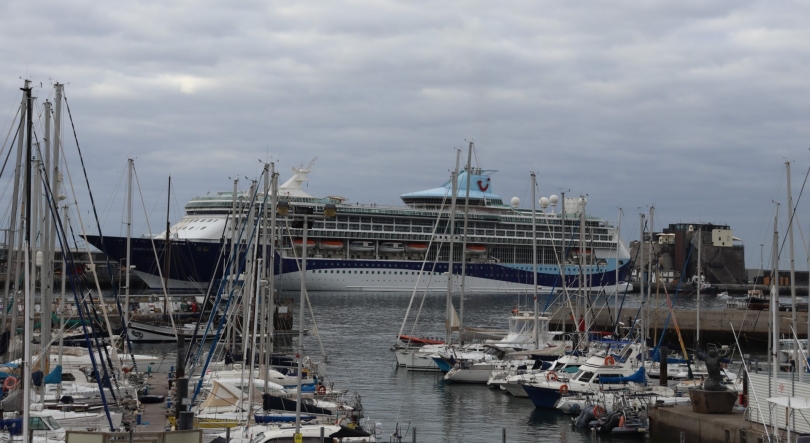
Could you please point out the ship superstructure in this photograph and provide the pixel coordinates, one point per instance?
(396, 248)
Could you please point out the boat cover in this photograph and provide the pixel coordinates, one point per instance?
(55, 377)
(637, 377)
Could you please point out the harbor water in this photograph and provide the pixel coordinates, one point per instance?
(357, 331)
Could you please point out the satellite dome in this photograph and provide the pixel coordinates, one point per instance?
(543, 202)
(515, 202)
(554, 200)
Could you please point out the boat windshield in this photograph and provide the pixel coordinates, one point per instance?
(259, 437)
(53, 424)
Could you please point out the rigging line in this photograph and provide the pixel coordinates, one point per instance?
(68, 258)
(101, 235)
(233, 257)
(421, 268)
(7, 156)
(16, 133)
(95, 274)
(795, 206)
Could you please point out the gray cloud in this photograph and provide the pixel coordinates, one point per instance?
(691, 106)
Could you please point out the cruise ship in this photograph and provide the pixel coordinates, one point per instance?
(394, 248)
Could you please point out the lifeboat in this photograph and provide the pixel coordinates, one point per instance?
(331, 245)
(416, 247)
(299, 243)
(476, 249)
(361, 246)
(391, 247)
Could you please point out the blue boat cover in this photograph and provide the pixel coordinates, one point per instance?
(55, 377)
(638, 377)
(280, 418)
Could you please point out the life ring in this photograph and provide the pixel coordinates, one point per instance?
(321, 389)
(610, 361)
(598, 411)
(563, 389)
(10, 383)
(551, 376)
(621, 421)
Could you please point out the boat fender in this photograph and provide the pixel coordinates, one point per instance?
(598, 411)
(621, 421)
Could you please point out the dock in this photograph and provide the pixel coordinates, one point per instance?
(153, 418)
(677, 424)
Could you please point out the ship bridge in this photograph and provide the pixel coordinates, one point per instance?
(480, 191)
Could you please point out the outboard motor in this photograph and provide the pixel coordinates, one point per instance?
(610, 422)
(585, 418)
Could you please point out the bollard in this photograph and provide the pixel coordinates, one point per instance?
(227, 435)
(662, 366)
(130, 434)
(322, 436)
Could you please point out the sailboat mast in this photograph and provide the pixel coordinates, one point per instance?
(130, 166)
(14, 230)
(583, 296)
(451, 230)
(534, 264)
(642, 332)
(775, 329)
(618, 246)
(647, 315)
(29, 292)
(166, 258)
(797, 351)
(699, 283)
(272, 276)
(464, 244)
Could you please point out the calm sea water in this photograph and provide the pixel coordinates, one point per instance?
(357, 332)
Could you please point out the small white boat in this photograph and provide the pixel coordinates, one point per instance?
(299, 243)
(331, 245)
(723, 295)
(416, 247)
(391, 247)
(476, 249)
(361, 246)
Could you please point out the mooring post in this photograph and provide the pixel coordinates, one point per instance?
(322, 436)
(414, 435)
(227, 435)
(662, 366)
(503, 435)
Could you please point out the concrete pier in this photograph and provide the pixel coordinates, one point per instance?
(677, 424)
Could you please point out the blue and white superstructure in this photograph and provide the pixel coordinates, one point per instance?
(396, 248)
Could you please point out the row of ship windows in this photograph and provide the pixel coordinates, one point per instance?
(332, 271)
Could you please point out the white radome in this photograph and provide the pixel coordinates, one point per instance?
(543, 202)
(515, 202)
(554, 200)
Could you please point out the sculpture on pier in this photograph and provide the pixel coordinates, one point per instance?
(714, 380)
(713, 397)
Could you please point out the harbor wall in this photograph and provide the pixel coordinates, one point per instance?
(715, 326)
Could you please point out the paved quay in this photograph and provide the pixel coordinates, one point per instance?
(676, 424)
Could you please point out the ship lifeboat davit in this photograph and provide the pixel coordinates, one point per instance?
(299, 243)
(331, 245)
(416, 247)
(361, 246)
(476, 249)
(391, 247)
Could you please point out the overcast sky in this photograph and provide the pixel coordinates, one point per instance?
(690, 106)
